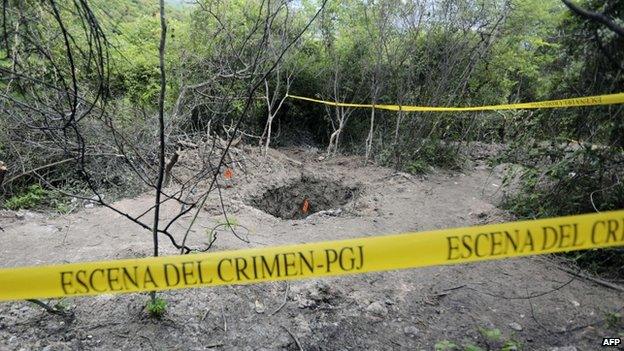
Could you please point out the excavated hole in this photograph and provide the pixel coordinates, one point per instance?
(288, 201)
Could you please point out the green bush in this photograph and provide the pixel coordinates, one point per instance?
(574, 181)
(33, 196)
(156, 307)
(418, 167)
(422, 157)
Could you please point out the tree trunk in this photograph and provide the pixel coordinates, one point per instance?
(268, 135)
(161, 129)
(369, 139)
(3, 171)
(397, 152)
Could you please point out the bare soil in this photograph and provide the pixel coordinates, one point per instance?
(397, 310)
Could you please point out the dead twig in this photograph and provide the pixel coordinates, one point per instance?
(51, 309)
(593, 279)
(533, 312)
(10, 180)
(294, 338)
(224, 320)
(447, 291)
(149, 341)
(285, 300)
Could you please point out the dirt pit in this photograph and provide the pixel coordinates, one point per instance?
(302, 197)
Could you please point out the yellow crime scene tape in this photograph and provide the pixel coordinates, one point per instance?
(329, 258)
(610, 99)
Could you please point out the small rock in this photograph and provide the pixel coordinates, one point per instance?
(259, 307)
(411, 331)
(19, 215)
(320, 291)
(377, 308)
(335, 212)
(515, 326)
(305, 303)
(92, 201)
(576, 303)
(56, 346)
(489, 325)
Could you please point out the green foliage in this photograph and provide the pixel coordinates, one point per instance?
(32, 197)
(428, 154)
(61, 205)
(418, 167)
(471, 347)
(613, 320)
(62, 305)
(493, 338)
(568, 178)
(511, 345)
(230, 222)
(446, 345)
(156, 307)
(491, 334)
(35, 196)
(135, 69)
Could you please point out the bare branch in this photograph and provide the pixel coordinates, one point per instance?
(596, 17)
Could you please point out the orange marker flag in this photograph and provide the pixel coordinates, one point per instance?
(306, 206)
(228, 174)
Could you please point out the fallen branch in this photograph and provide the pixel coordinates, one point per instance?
(48, 308)
(34, 170)
(593, 279)
(10, 180)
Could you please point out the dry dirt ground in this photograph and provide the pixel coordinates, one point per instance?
(397, 310)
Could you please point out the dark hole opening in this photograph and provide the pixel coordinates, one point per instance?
(303, 197)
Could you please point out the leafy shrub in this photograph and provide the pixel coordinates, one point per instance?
(33, 196)
(156, 307)
(446, 345)
(421, 157)
(418, 167)
(566, 180)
